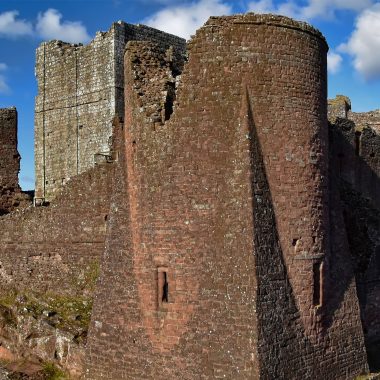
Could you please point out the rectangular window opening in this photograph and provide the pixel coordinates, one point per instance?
(317, 284)
(358, 136)
(162, 287)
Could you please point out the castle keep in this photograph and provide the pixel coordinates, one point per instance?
(216, 223)
(80, 90)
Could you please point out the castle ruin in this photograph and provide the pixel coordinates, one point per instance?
(80, 90)
(231, 231)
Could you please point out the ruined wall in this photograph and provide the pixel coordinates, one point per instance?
(362, 221)
(49, 263)
(9, 160)
(218, 261)
(355, 147)
(356, 140)
(80, 90)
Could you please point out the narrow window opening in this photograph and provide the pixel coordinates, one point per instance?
(317, 283)
(169, 102)
(162, 287)
(340, 162)
(358, 143)
(165, 289)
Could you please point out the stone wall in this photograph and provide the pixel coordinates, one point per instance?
(356, 141)
(9, 161)
(219, 262)
(355, 147)
(80, 90)
(49, 264)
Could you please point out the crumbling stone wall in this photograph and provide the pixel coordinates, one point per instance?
(355, 147)
(219, 262)
(9, 160)
(49, 264)
(80, 89)
(356, 140)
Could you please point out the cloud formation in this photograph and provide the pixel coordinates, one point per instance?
(49, 26)
(184, 20)
(364, 43)
(334, 62)
(312, 9)
(11, 26)
(4, 88)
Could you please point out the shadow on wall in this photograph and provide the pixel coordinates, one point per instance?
(359, 186)
(277, 312)
(278, 316)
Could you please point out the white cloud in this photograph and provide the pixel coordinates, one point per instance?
(4, 88)
(49, 26)
(334, 62)
(364, 43)
(313, 8)
(184, 20)
(327, 8)
(262, 6)
(10, 26)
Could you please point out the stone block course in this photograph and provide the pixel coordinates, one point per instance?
(217, 212)
(10, 191)
(80, 90)
(231, 199)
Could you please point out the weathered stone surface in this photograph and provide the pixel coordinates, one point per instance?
(80, 90)
(217, 217)
(11, 196)
(219, 261)
(49, 264)
(355, 157)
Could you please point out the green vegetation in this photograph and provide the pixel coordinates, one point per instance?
(372, 376)
(8, 298)
(87, 281)
(52, 372)
(70, 313)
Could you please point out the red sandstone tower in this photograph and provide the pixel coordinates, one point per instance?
(225, 256)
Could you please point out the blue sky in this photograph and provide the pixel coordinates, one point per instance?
(352, 29)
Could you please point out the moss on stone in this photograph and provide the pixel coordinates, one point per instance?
(64, 312)
(52, 372)
(70, 313)
(371, 376)
(87, 280)
(8, 297)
